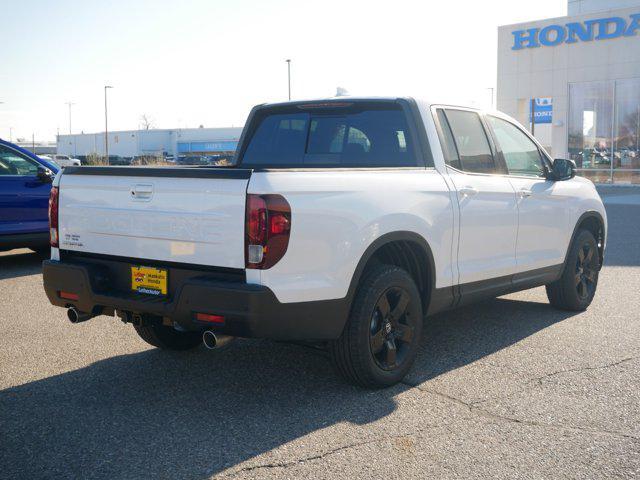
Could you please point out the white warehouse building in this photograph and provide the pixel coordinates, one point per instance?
(578, 77)
(132, 143)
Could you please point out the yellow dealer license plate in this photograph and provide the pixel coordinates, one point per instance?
(149, 280)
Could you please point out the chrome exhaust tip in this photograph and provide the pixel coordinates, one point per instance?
(76, 316)
(214, 341)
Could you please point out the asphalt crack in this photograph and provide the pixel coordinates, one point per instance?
(474, 408)
(471, 407)
(585, 368)
(539, 380)
(327, 453)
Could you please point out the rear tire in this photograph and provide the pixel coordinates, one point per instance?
(575, 289)
(168, 338)
(380, 340)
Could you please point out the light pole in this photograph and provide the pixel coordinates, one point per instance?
(289, 76)
(106, 128)
(70, 103)
(492, 89)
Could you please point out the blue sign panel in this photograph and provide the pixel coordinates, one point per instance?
(589, 30)
(224, 146)
(542, 111)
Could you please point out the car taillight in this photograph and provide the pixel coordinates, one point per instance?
(53, 217)
(268, 226)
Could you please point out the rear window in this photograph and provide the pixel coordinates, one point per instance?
(342, 137)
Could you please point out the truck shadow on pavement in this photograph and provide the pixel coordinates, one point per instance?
(160, 414)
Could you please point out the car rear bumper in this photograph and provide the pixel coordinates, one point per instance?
(248, 310)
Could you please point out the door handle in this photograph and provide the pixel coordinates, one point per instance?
(141, 191)
(524, 193)
(468, 191)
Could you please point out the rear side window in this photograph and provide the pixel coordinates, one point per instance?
(471, 141)
(446, 140)
(347, 137)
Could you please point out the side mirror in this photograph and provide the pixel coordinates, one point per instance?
(562, 169)
(44, 175)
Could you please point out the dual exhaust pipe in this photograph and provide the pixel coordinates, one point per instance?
(210, 339)
(76, 316)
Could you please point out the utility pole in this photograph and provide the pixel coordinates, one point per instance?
(106, 129)
(289, 76)
(533, 116)
(11, 134)
(33, 142)
(492, 90)
(70, 103)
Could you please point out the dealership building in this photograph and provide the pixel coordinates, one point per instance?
(575, 82)
(132, 143)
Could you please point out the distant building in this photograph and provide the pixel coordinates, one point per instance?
(132, 143)
(578, 78)
(37, 147)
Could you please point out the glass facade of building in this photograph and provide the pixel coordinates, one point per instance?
(604, 129)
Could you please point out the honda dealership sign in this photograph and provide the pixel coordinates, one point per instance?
(573, 32)
(542, 110)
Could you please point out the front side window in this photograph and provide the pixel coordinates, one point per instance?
(13, 163)
(357, 136)
(471, 141)
(520, 153)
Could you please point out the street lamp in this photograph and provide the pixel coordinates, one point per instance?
(106, 129)
(289, 75)
(70, 103)
(492, 90)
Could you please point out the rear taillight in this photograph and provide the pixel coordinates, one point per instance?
(53, 217)
(268, 226)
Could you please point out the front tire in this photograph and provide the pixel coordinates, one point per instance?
(380, 340)
(168, 338)
(575, 289)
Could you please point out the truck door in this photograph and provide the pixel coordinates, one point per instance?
(486, 200)
(543, 232)
(23, 196)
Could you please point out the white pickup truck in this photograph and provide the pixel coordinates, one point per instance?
(343, 221)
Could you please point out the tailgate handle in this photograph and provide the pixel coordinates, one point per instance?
(142, 191)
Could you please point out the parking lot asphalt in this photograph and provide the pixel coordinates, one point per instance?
(508, 388)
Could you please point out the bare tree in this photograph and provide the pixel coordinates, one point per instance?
(147, 122)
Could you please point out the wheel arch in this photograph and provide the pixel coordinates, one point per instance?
(594, 222)
(405, 249)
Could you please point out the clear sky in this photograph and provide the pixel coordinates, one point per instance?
(187, 63)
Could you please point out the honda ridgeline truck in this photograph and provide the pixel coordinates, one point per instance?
(342, 221)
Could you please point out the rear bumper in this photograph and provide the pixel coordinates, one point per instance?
(249, 310)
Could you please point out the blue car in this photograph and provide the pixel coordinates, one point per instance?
(25, 183)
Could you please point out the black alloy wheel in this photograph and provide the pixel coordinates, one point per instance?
(577, 285)
(380, 340)
(392, 328)
(586, 270)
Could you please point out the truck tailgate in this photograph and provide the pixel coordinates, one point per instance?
(186, 215)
